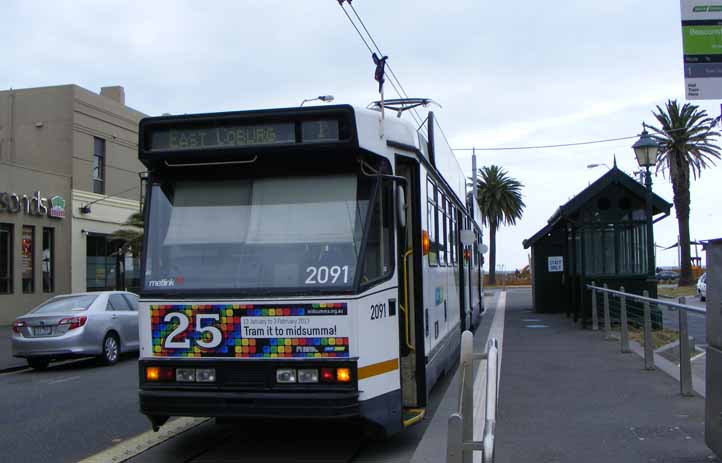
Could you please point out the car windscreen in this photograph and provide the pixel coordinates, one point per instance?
(66, 304)
(275, 232)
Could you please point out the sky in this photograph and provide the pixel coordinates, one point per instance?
(536, 73)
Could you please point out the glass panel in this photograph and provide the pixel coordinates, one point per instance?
(119, 302)
(431, 224)
(28, 258)
(608, 250)
(62, 304)
(101, 263)
(441, 219)
(261, 233)
(6, 259)
(48, 260)
(377, 260)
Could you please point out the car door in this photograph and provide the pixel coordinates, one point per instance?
(124, 319)
(134, 334)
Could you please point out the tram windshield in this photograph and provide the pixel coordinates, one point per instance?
(300, 233)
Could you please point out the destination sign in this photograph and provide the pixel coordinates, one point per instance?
(222, 137)
(236, 136)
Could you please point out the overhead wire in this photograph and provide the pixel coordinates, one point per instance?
(391, 71)
(394, 80)
(557, 145)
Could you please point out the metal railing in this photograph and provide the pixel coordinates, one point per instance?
(649, 316)
(460, 443)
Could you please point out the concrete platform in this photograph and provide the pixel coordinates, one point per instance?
(567, 395)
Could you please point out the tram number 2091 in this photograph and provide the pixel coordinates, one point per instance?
(378, 311)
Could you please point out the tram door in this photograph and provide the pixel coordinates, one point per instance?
(410, 314)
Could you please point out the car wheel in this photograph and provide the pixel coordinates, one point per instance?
(111, 349)
(38, 364)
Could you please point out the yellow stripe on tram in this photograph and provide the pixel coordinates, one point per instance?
(378, 368)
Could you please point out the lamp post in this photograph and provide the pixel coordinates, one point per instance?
(645, 149)
(324, 98)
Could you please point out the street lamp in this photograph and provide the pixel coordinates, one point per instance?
(646, 149)
(324, 98)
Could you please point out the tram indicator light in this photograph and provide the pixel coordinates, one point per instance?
(343, 375)
(425, 243)
(156, 374)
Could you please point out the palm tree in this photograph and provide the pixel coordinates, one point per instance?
(685, 140)
(499, 198)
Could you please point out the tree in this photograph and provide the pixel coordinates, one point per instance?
(133, 236)
(685, 140)
(499, 198)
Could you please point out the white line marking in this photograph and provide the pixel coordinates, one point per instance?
(143, 442)
(62, 380)
(496, 331)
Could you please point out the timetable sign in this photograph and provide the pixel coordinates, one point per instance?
(702, 44)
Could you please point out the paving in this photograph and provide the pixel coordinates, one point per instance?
(567, 395)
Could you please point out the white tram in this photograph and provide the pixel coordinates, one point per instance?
(316, 262)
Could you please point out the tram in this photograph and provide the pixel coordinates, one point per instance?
(312, 262)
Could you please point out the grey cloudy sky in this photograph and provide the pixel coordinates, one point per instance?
(506, 74)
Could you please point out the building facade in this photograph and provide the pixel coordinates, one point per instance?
(69, 178)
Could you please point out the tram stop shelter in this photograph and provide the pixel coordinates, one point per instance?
(599, 236)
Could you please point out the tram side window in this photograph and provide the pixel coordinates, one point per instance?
(378, 260)
(442, 227)
(431, 222)
(452, 233)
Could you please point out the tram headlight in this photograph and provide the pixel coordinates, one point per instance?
(307, 375)
(185, 375)
(285, 375)
(206, 375)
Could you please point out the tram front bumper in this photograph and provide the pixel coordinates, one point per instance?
(249, 404)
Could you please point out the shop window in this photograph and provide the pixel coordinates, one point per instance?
(107, 268)
(48, 260)
(101, 263)
(6, 258)
(28, 258)
(98, 165)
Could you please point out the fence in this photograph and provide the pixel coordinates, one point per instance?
(460, 443)
(654, 324)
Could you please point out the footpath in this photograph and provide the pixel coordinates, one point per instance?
(568, 395)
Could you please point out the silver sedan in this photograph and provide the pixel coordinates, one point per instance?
(102, 324)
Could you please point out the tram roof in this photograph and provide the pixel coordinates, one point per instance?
(382, 135)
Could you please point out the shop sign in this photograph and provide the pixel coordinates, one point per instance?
(34, 205)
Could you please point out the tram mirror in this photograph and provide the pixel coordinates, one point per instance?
(401, 205)
(467, 237)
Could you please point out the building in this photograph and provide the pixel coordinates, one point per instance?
(599, 236)
(69, 177)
